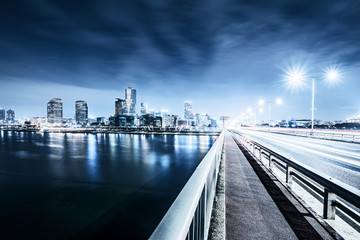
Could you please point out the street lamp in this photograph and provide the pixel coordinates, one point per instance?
(332, 75)
(277, 101)
(253, 112)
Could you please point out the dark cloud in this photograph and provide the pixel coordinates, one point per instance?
(78, 37)
(158, 42)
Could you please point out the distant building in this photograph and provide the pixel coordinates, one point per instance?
(354, 119)
(213, 122)
(143, 109)
(149, 120)
(81, 112)
(157, 114)
(203, 120)
(55, 110)
(185, 123)
(119, 107)
(188, 110)
(101, 119)
(130, 102)
(2, 114)
(169, 121)
(173, 120)
(10, 116)
(300, 123)
(165, 121)
(38, 121)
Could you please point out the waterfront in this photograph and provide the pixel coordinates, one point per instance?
(62, 186)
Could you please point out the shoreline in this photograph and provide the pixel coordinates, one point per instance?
(93, 131)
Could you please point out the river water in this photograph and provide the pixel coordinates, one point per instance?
(91, 186)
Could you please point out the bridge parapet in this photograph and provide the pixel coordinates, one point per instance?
(189, 215)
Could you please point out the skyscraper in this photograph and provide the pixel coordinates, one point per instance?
(81, 112)
(2, 114)
(130, 101)
(119, 106)
(143, 109)
(10, 116)
(55, 110)
(188, 110)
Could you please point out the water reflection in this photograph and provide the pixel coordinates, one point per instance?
(82, 176)
(92, 156)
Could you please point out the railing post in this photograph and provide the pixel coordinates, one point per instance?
(271, 164)
(289, 176)
(329, 204)
(260, 155)
(203, 213)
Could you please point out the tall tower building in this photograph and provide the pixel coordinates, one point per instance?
(188, 110)
(119, 106)
(55, 110)
(81, 112)
(10, 116)
(130, 101)
(143, 109)
(2, 114)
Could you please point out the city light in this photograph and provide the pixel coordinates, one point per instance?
(295, 77)
(261, 102)
(332, 75)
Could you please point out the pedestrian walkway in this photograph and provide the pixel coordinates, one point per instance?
(258, 206)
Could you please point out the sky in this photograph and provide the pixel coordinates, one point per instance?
(223, 55)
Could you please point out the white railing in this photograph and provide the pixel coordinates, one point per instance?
(345, 136)
(189, 215)
(334, 193)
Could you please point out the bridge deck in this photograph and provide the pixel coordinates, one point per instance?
(258, 206)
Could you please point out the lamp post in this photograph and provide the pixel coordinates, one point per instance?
(312, 105)
(261, 102)
(297, 77)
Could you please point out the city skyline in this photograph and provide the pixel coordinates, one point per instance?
(187, 112)
(224, 56)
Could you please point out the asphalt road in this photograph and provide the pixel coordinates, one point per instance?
(339, 160)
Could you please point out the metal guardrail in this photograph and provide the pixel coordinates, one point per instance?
(189, 215)
(330, 188)
(346, 137)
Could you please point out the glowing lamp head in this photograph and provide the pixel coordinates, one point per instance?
(261, 102)
(332, 75)
(279, 101)
(295, 77)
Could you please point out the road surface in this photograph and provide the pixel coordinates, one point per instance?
(339, 160)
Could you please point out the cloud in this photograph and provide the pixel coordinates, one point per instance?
(103, 39)
(162, 45)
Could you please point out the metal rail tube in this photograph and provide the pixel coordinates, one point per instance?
(176, 223)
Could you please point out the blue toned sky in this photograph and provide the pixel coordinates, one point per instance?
(223, 55)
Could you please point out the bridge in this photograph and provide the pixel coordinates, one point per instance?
(255, 184)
